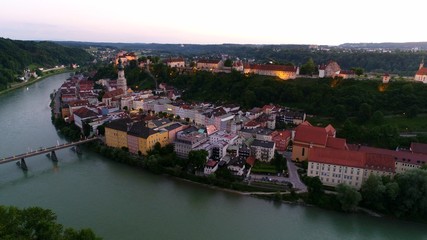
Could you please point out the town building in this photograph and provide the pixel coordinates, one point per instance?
(142, 139)
(188, 140)
(283, 72)
(112, 98)
(125, 58)
(208, 64)
(116, 133)
(421, 75)
(263, 150)
(83, 114)
(345, 74)
(404, 160)
(237, 165)
(308, 136)
(332, 69)
(335, 166)
(386, 78)
(281, 138)
(210, 167)
(289, 116)
(175, 62)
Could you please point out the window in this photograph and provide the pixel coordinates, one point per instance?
(303, 151)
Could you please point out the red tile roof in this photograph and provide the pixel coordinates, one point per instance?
(85, 112)
(419, 148)
(399, 156)
(113, 93)
(306, 123)
(75, 103)
(347, 72)
(211, 163)
(271, 67)
(252, 123)
(268, 107)
(170, 60)
(422, 71)
(250, 160)
(281, 134)
(311, 135)
(337, 157)
(330, 130)
(337, 143)
(380, 162)
(208, 61)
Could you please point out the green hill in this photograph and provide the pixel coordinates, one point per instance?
(16, 55)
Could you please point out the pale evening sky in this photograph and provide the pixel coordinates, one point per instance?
(328, 22)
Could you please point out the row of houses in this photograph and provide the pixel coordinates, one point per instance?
(334, 161)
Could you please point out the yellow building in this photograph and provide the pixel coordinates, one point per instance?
(281, 71)
(116, 133)
(142, 139)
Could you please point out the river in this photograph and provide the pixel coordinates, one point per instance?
(119, 202)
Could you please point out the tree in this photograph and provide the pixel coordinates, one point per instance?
(348, 196)
(372, 191)
(279, 162)
(412, 111)
(228, 63)
(314, 188)
(37, 223)
(152, 163)
(197, 158)
(101, 129)
(365, 112)
(86, 129)
(377, 118)
(308, 68)
(339, 113)
(225, 174)
(412, 198)
(358, 71)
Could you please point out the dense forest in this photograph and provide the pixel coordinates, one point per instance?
(17, 55)
(323, 97)
(315, 96)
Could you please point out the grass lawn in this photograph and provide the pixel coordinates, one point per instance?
(263, 168)
(404, 124)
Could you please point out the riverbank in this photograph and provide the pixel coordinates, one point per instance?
(33, 80)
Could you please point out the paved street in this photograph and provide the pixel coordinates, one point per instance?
(293, 175)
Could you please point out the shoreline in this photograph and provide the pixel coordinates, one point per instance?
(30, 82)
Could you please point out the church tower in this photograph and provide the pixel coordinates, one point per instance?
(421, 64)
(121, 80)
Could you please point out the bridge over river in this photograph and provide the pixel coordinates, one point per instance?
(48, 150)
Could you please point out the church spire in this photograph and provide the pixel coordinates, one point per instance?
(120, 67)
(421, 64)
(121, 80)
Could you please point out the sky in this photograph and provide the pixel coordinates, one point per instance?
(322, 22)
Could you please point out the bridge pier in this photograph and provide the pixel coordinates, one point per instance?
(78, 150)
(22, 164)
(53, 156)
